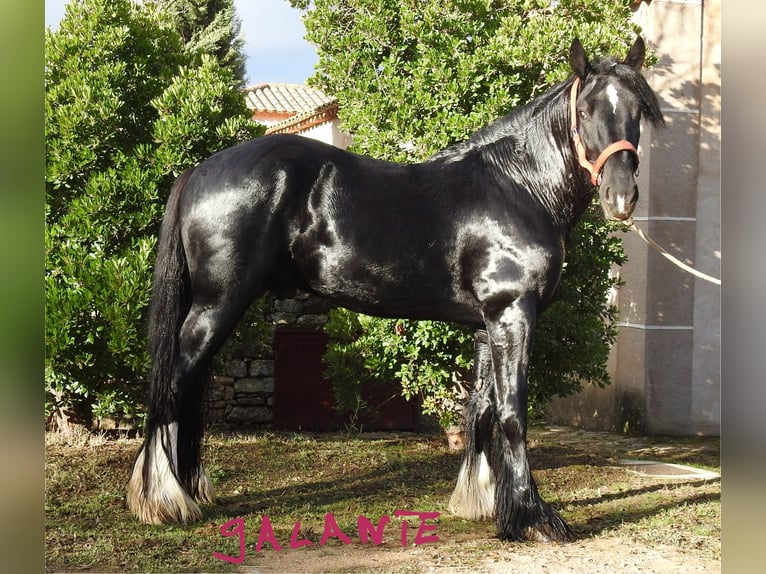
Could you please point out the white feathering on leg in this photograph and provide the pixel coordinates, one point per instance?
(485, 478)
(204, 492)
(457, 502)
(474, 496)
(162, 499)
(485, 489)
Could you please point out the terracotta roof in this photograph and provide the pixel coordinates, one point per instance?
(286, 98)
(302, 122)
(290, 108)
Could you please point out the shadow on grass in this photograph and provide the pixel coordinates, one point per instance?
(555, 457)
(401, 482)
(608, 521)
(623, 495)
(393, 482)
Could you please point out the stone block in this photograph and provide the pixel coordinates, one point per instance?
(289, 306)
(312, 321)
(261, 368)
(251, 400)
(284, 318)
(250, 385)
(262, 415)
(217, 392)
(668, 380)
(246, 385)
(265, 385)
(236, 368)
(242, 350)
(249, 415)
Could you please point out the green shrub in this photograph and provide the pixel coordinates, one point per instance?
(428, 358)
(127, 109)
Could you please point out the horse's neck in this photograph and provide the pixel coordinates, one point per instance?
(534, 154)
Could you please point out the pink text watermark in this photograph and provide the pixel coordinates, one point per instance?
(367, 530)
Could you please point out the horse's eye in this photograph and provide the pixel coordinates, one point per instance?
(583, 115)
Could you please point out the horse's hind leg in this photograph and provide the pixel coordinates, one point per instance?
(474, 494)
(168, 476)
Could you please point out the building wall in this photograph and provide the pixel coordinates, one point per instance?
(665, 365)
(329, 132)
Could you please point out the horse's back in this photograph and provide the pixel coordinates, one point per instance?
(283, 168)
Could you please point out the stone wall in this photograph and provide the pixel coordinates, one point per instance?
(242, 390)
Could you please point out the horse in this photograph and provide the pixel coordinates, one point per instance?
(473, 235)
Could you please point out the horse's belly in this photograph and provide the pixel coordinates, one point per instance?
(404, 287)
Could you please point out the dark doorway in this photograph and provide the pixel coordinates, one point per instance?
(305, 400)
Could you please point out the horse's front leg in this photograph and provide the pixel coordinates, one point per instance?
(520, 513)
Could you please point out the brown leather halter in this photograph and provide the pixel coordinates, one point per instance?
(594, 168)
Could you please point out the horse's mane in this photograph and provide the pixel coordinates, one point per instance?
(518, 120)
(509, 128)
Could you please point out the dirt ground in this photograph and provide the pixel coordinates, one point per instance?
(591, 556)
(602, 553)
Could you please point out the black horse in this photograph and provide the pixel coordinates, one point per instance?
(474, 235)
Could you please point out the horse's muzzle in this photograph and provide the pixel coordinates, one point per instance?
(619, 205)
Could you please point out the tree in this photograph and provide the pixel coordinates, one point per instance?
(210, 27)
(127, 109)
(413, 77)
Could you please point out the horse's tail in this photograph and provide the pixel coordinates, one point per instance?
(167, 474)
(169, 306)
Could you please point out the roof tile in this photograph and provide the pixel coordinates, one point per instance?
(285, 98)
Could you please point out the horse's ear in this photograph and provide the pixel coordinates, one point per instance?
(577, 58)
(635, 57)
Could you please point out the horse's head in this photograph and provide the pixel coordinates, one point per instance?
(608, 99)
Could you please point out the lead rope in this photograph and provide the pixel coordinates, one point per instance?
(661, 251)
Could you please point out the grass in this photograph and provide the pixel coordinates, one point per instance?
(300, 476)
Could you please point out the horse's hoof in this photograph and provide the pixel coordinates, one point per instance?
(555, 531)
(548, 533)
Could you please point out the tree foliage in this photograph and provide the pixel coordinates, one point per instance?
(429, 73)
(127, 109)
(415, 76)
(210, 27)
